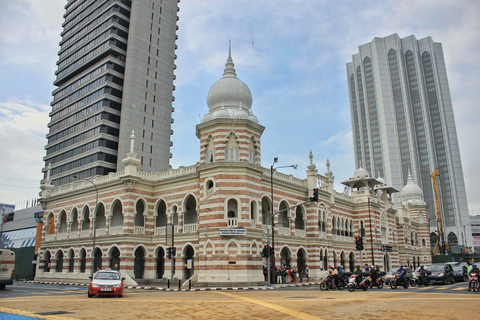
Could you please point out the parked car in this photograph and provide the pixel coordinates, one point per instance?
(441, 272)
(460, 271)
(106, 282)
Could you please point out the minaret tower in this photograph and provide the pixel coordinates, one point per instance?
(229, 132)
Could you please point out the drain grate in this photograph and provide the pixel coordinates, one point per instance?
(52, 313)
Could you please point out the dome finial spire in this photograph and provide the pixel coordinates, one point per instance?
(229, 71)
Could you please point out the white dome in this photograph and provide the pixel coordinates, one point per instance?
(231, 94)
(221, 113)
(412, 192)
(207, 117)
(361, 173)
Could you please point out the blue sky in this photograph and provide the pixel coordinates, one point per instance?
(291, 54)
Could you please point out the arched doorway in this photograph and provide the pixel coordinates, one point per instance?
(351, 263)
(342, 260)
(387, 263)
(48, 258)
(452, 239)
(71, 260)
(285, 258)
(189, 268)
(83, 260)
(115, 259)
(139, 263)
(301, 255)
(59, 261)
(160, 263)
(98, 260)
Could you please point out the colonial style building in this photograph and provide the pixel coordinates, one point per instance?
(220, 209)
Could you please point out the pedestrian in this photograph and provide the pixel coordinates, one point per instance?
(265, 273)
(279, 275)
(294, 274)
(284, 275)
(305, 272)
(289, 275)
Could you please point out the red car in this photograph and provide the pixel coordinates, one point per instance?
(106, 283)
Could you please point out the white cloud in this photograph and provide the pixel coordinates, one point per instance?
(23, 126)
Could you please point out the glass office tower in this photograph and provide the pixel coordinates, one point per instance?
(402, 121)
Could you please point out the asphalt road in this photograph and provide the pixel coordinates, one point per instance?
(71, 302)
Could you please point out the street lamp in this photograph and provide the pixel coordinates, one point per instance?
(271, 261)
(94, 218)
(465, 243)
(371, 237)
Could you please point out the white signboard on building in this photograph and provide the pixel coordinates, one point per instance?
(233, 231)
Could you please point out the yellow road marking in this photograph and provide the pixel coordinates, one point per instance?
(441, 288)
(461, 288)
(32, 315)
(293, 313)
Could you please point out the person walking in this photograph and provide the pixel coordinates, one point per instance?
(305, 272)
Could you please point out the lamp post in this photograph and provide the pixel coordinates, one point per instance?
(93, 220)
(465, 243)
(271, 261)
(371, 236)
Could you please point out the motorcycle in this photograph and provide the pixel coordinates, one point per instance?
(341, 283)
(352, 283)
(378, 282)
(475, 283)
(418, 281)
(397, 280)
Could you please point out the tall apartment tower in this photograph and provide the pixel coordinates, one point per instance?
(115, 75)
(402, 121)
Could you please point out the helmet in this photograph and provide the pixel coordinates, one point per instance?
(372, 267)
(474, 265)
(421, 266)
(333, 267)
(401, 266)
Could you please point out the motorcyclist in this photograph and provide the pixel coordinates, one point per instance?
(334, 277)
(358, 272)
(373, 274)
(422, 274)
(402, 274)
(473, 271)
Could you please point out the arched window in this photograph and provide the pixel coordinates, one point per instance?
(299, 222)
(232, 150)
(209, 150)
(232, 213)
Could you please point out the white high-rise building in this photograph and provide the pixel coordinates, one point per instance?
(402, 121)
(115, 75)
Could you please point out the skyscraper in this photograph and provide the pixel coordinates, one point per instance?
(115, 75)
(402, 121)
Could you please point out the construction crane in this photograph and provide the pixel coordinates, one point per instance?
(440, 245)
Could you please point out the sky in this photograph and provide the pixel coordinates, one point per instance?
(291, 54)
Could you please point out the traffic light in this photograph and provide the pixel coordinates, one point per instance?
(174, 252)
(271, 251)
(359, 243)
(266, 250)
(315, 195)
(169, 253)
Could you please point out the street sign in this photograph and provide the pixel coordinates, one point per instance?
(387, 248)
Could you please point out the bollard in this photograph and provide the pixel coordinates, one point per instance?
(179, 284)
(168, 283)
(190, 284)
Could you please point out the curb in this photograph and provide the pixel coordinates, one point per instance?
(306, 284)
